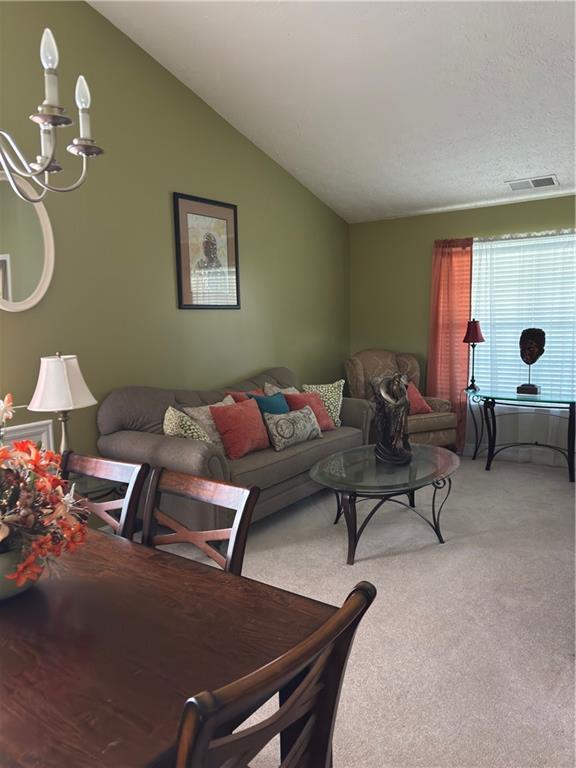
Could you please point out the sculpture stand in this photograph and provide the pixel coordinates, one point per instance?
(528, 389)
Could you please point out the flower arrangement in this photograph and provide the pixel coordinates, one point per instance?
(6, 411)
(39, 516)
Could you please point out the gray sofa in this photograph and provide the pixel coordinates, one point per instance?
(130, 425)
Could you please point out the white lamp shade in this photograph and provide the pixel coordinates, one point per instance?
(61, 386)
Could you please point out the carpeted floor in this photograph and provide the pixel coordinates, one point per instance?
(465, 659)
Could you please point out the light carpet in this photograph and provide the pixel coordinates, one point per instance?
(466, 657)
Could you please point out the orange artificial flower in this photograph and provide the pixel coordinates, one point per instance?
(28, 570)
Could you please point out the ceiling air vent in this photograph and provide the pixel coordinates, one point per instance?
(517, 185)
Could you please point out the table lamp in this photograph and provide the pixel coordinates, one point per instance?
(473, 336)
(61, 388)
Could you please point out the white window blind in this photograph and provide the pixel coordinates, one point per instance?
(527, 282)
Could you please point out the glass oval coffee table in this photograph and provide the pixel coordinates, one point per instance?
(357, 475)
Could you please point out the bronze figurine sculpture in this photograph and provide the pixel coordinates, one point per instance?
(392, 407)
(532, 342)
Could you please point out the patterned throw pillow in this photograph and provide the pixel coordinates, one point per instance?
(179, 424)
(272, 389)
(331, 396)
(202, 415)
(291, 428)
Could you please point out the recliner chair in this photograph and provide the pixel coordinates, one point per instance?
(436, 428)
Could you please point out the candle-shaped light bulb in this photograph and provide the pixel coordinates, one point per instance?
(49, 59)
(83, 101)
(48, 50)
(82, 93)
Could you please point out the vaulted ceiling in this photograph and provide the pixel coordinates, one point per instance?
(382, 109)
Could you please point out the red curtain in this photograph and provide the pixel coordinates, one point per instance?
(447, 374)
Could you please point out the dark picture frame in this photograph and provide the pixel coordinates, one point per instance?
(207, 268)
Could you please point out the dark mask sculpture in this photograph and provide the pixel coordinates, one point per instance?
(392, 406)
(532, 341)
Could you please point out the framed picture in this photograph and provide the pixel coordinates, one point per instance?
(206, 253)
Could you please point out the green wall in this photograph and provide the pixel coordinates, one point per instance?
(113, 297)
(391, 266)
(312, 288)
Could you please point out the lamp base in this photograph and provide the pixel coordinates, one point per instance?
(63, 419)
(528, 389)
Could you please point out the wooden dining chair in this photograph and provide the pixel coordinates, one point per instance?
(132, 475)
(241, 500)
(307, 678)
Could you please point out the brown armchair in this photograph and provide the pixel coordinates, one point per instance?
(436, 428)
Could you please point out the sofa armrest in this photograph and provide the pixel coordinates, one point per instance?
(439, 405)
(357, 413)
(195, 457)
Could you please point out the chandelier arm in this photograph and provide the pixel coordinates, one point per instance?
(10, 178)
(28, 172)
(48, 188)
(5, 152)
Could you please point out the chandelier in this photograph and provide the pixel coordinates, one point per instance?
(49, 116)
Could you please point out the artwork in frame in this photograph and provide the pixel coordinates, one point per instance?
(206, 253)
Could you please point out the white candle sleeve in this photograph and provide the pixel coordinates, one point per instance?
(84, 124)
(51, 89)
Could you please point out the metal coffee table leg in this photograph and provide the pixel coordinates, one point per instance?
(338, 506)
(349, 510)
(445, 482)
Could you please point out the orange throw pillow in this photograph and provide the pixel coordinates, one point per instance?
(241, 428)
(241, 397)
(302, 399)
(417, 402)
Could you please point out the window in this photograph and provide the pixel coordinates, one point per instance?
(526, 282)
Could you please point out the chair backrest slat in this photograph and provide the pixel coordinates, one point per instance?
(202, 489)
(131, 475)
(308, 678)
(240, 500)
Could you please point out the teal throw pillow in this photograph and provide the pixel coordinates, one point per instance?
(271, 404)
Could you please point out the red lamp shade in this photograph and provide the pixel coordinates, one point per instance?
(473, 333)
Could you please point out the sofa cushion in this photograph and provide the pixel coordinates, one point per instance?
(417, 403)
(428, 422)
(271, 403)
(272, 389)
(241, 397)
(314, 401)
(267, 468)
(291, 428)
(241, 428)
(142, 409)
(331, 396)
(203, 416)
(179, 424)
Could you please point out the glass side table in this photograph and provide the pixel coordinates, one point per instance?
(488, 399)
(357, 475)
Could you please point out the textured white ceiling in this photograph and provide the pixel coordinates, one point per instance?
(382, 109)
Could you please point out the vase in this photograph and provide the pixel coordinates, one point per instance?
(8, 562)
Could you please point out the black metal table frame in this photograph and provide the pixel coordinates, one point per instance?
(487, 408)
(346, 505)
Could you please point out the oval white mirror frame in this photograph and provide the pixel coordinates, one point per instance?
(48, 267)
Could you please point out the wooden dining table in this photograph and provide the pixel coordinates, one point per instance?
(98, 658)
